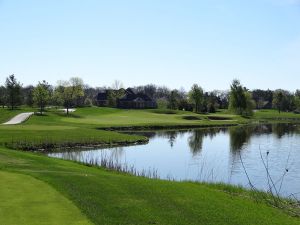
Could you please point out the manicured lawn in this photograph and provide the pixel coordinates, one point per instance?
(275, 115)
(26, 200)
(103, 117)
(107, 197)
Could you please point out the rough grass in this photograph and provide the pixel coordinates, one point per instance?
(107, 197)
(26, 200)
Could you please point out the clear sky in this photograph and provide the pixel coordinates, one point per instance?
(166, 42)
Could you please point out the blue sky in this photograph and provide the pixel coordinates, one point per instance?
(165, 42)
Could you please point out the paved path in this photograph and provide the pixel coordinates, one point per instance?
(19, 118)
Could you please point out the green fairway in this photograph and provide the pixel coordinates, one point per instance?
(107, 197)
(26, 200)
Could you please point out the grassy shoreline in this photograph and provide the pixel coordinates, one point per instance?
(108, 197)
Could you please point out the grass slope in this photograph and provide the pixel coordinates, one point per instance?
(26, 200)
(107, 197)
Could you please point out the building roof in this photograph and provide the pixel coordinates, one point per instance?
(102, 96)
(130, 95)
(135, 97)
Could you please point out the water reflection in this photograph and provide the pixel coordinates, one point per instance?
(196, 137)
(211, 154)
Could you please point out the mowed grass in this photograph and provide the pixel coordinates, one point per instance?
(108, 197)
(110, 117)
(26, 200)
(275, 115)
(50, 131)
(43, 137)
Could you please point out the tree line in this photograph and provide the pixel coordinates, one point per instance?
(74, 93)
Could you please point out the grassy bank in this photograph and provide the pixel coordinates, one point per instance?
(107, 197)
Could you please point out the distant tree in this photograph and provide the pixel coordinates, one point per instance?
(3, 96)
(69, 91)
(222, 99)
(116, 92)
(173, 99)
(211, 102)
(297, 93)
(117, 84)
(262, 98)
(27, 95)
(183, 103)
(41, 95)
(162, 92)
(162, 103)
(88, 102)
(297, 104)
(283, 100)
(240, 99)
(196, 97)
(278, 100)
(149, 89)
(13, 88)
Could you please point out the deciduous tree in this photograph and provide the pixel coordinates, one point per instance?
(41, 95)
(196, 97)
(68, 91)
(240, 99)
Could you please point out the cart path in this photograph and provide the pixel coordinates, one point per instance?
(20, 118)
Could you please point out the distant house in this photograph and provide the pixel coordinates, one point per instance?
(130, 100)
(102, 98)
(133, 100)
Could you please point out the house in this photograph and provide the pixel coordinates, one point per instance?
(130, 100)
(133, 100)
(102, 98)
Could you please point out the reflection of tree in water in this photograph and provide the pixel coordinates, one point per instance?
(172, 138)
(196, 139)
(171, 135)
(239, 136)
(282, 129)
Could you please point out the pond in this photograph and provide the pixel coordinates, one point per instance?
(214, 155)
